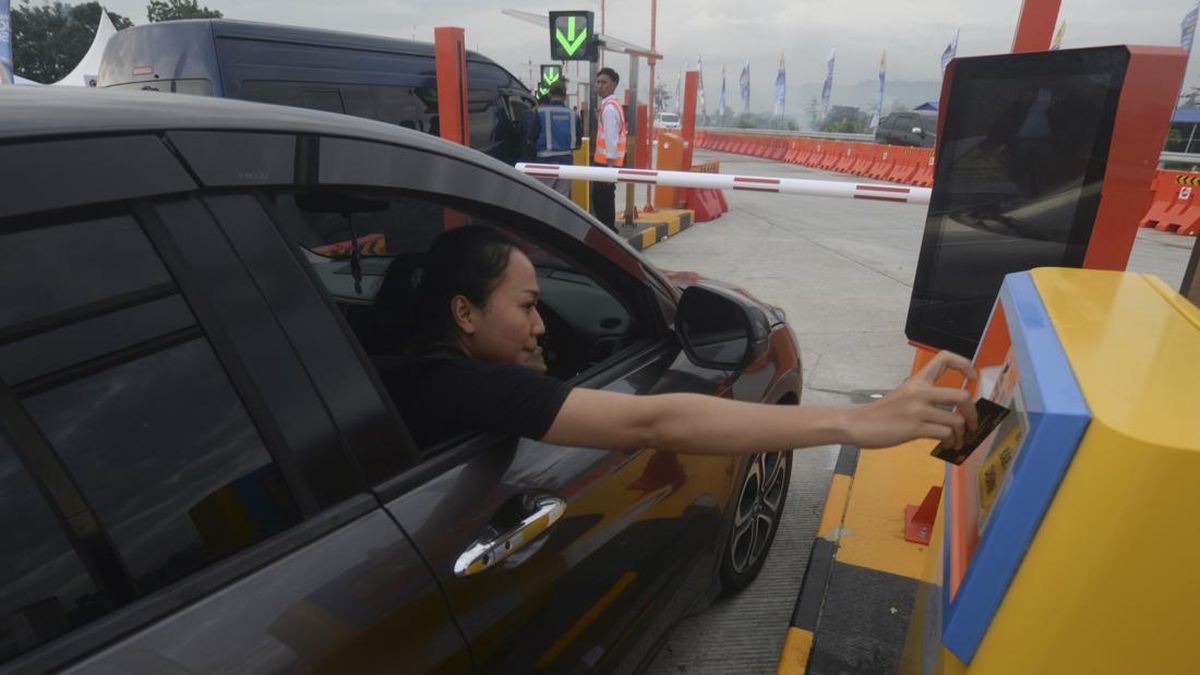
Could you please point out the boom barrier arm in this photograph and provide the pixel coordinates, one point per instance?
(710, 181)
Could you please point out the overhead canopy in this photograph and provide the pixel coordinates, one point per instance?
(85, 73)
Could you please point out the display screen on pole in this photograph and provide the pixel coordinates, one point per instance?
(1020, 164)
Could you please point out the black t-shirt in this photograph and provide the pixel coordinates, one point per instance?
(446, 393)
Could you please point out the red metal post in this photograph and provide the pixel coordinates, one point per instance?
(450, 52)
(691, 84)
(641, 158)
(1035, 27)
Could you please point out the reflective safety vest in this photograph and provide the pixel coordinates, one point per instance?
(556, 130)
(601, 156)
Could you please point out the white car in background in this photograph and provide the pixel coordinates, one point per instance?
(666, 120)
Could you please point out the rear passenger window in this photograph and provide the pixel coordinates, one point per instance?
(142, 466)
(44, 586)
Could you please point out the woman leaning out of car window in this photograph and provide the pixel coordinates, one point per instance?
(471, 324)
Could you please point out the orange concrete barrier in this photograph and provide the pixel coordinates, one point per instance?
(1165, 203)
(883, 164)
(904, 167)
(782, 145)
(1182, 213)
(924, 174)
(911, 166)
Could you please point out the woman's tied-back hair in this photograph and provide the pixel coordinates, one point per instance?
(414, 299)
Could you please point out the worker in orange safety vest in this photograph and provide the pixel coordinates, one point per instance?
(610, 145)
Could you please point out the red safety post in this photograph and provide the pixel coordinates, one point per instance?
(450, 63)
(918, 520)
(450, 50)
(688, 130)
(1035, 27)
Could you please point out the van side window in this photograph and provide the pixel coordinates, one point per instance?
(118, 406)
(310, 95)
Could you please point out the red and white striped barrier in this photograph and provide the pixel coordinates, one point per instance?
(717, 181)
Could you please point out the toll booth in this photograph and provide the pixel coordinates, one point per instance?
(1068, 538)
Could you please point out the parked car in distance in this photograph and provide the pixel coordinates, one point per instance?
(915, 128)
(666, 120)
(202, 466)
(380, 78)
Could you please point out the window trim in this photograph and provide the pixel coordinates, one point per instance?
(225, 350)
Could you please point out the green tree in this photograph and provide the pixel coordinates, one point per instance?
(49, 40)
(169, 10)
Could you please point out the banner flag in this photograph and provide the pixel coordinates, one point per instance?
(744, 82)
(780, 88)
(700, 90)
(879, 101)
(1058, 37)
(6, 57)
(1188, 28)
(950, 51)
(722, 109)
(827, 89)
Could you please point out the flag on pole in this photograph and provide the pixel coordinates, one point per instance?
(6, 57)
(1058, 37)
(949, 52)
(827, 90)
(1188, 27)
(744, 82)
(879, 101)
(722, 109)
(679, 92)
(700, 87)
(780, 88)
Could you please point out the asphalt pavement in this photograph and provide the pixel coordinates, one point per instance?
(842, 270)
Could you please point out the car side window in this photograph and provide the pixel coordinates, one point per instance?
(358, 244)
(143, 454)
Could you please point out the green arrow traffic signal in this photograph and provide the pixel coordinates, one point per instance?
(572, 41)
(551, 73)
(572, 36)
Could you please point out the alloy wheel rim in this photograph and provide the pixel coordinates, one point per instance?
(758, 509)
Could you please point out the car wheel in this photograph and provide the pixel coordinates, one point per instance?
(758, 510)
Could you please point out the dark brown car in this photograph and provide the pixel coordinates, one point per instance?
(200, 467)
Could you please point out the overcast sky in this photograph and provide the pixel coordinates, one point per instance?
(730, 32)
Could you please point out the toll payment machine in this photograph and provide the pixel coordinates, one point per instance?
(1070, 539)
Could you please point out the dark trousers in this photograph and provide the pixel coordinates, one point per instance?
(604, 203)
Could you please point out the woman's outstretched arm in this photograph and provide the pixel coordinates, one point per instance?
(695, 423)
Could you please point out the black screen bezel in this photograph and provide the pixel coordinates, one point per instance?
(1111, 61)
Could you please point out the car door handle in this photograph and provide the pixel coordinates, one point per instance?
(492, 548)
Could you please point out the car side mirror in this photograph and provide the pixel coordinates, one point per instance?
(719, 329)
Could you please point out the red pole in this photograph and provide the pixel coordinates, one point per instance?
(691, 83)
(650, 108)
(450, 54)
(1035, 27)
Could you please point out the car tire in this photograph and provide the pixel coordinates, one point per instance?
(757, 512)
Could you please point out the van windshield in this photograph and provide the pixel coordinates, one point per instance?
(198, 87)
